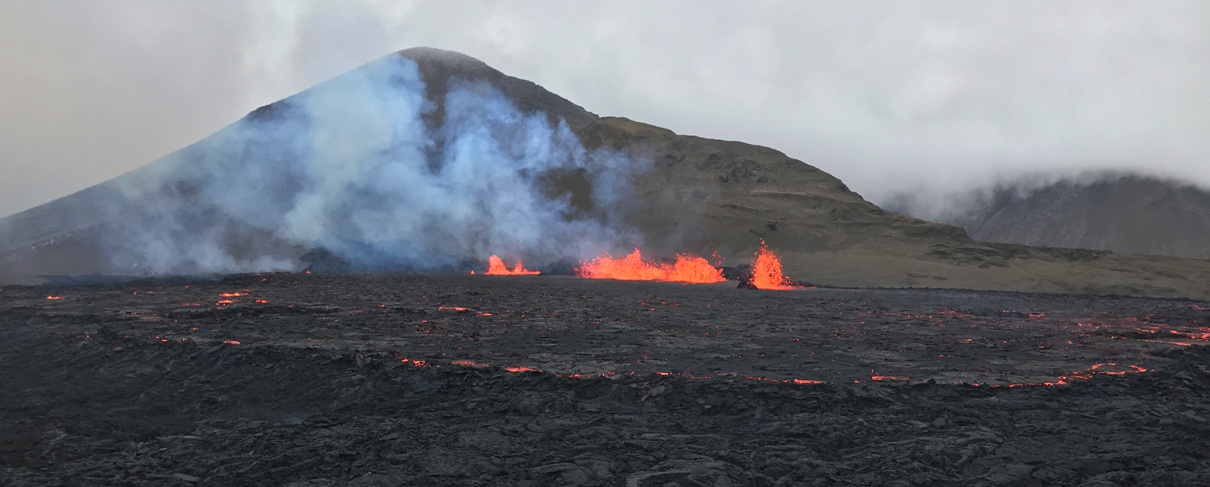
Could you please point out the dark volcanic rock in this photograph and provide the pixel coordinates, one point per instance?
(324, 261)
(375, 380)
(742, 272)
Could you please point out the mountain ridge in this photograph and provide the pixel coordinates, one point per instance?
(291, 176)
(1119, 211)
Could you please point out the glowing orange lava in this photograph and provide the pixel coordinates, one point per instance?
(469, 363)
(766, 271)
(797, 382)
(687, 268)
(496, 267)
(54, 298)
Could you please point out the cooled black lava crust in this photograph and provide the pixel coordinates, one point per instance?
(471, 380)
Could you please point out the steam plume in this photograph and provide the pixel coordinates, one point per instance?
(356, 166)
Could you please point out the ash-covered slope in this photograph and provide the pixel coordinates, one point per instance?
(430, 160)
(1119, 212)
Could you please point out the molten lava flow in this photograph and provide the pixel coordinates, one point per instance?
(54, 298)
(470, 363)
(687, 268)
(495, 267)
(766, 271)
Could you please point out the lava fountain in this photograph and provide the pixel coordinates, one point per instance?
(767, 273)
(687, 268)
(496, 267)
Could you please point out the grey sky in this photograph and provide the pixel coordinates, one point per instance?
(887, 96)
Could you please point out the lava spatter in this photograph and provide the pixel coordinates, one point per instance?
(687, 268)
(496, 267)
(767, 272)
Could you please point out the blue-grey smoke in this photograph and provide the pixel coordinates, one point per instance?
(351, 166)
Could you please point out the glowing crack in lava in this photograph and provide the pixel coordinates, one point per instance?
(687, 268)
(766, 271)
(496, 267)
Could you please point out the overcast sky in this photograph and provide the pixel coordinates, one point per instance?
(887, 95)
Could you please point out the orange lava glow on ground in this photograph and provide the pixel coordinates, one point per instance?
(1108, 368)
(469, 363)
(496, 267)
(687, 268)
(766, 271)
(54, 298)
(522, 369)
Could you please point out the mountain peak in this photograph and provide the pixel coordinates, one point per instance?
(440, 67)
(432, 55)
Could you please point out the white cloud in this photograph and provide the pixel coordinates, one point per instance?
(886, 95)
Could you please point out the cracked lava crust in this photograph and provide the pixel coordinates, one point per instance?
(550, 380)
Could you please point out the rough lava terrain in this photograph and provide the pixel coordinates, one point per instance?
(310, 380)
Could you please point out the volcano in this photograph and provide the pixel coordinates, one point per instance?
(431, 160)
(459, 359)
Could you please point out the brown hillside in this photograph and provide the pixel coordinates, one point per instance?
(705, 194)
